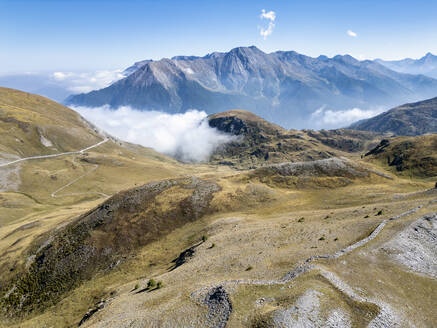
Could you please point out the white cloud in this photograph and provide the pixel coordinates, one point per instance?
(271, 17)
(327, 118)
(185, 136)
(86, 82)
(352, 33)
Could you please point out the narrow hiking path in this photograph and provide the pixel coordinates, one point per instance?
(95, 167)
(218, 301)
(54, 155)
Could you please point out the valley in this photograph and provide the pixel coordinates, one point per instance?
(280, 228)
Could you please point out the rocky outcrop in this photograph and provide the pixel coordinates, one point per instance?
(416, 246)
(219, 307)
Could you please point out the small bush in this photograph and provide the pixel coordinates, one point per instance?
(301, 220)
(335, 239)
(322, 238)
(327, 217)
(136, 286)
(366, 216)
(379, 213)
(204, 238)
(159, 285)
(249, 268)
(212, 246)
(151, 283)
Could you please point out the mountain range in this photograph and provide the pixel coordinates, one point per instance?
(427, 65)
(284, 86)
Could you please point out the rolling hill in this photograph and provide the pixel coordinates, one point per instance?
(261, 143)
(408, 120)
(409, 156)
(284, 87)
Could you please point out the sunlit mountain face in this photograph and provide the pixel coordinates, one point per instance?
(285, 87)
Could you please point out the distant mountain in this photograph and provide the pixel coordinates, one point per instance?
(408, 120)
(427, 65)
(284, 86)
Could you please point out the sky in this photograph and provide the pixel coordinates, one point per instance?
(85, 35)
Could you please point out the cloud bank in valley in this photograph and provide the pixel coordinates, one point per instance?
(186, 136)
(327, 118)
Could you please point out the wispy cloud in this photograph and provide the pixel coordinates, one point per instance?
(327, 118)
(270, 16)
(351, 33)
(185, 136)
(86, 82)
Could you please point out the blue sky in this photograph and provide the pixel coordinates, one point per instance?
(107, 34)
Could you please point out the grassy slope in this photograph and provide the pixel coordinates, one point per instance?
(407, 156)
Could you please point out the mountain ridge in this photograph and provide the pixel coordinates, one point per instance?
(408, 119)
(426, 65)
(284, 86)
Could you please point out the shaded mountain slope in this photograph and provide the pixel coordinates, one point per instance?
(409, 119)
(284, 86)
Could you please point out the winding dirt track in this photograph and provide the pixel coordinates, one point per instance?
(73, 181)
(54, 155)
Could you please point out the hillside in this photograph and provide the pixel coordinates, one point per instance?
(117, 235)
(406, 120)
(262, 143)
(50, 156)
(33, 125)
(284, 87)
(410, 156)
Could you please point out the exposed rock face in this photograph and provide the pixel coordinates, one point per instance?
(306, 312)
(406, 120)
(283, 86)
(103, 237)
(416, 246)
